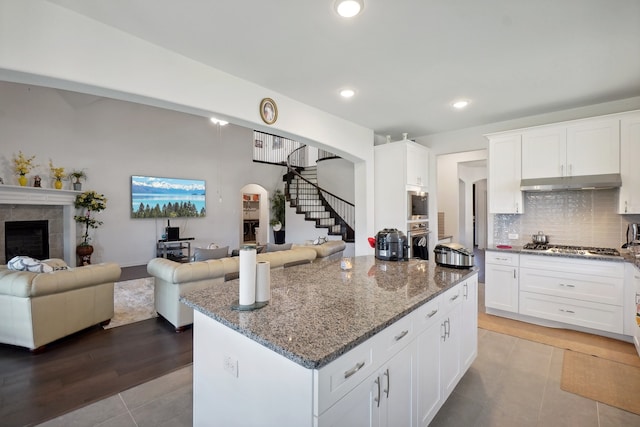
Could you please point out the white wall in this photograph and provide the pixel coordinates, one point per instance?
(113, 140)
(44, 44)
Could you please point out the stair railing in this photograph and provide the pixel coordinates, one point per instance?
(341, 210)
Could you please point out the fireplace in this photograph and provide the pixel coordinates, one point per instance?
(30, 238)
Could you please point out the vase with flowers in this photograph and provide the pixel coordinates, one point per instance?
(57, 174)
(89, 202)
(22, 166)
(76, 175)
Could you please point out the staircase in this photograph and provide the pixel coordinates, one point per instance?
(302, 193)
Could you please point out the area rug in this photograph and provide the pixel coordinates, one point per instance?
(132, 302)
(606, 381)
(603, 347)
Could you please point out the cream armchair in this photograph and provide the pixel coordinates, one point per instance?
(38, 308)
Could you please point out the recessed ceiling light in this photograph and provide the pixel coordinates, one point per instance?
(348, 8)
(347, 93)
(459, 105)
(218, 121)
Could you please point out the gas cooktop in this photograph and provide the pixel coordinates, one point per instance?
(586, 251)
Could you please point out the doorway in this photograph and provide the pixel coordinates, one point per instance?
(254, 213)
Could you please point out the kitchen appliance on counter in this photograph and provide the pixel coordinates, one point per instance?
(391, 245)
(633, 235)
(586, 251)
(453, 255)
(418, 239)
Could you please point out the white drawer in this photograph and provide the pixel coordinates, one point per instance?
(340, 376)
(501, 258)
(600, 289)
(427, 315)
(452, 297)
(390, 340)
(574, 265)
(603, 317)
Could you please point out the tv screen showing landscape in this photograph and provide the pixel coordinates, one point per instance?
(157, 197)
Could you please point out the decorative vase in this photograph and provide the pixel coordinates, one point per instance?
(57, 184)
(84, 254)
(77, 186)
(22, 180)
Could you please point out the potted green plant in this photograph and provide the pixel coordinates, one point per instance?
(76, 175)
(278, 205)
(88, 202)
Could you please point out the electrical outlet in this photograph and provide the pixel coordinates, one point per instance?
(513, 236)
(230, 365)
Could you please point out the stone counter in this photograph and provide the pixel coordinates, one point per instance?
(318, 312)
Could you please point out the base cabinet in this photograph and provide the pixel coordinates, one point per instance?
(501, 281)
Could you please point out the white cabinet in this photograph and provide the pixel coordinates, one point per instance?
(427, 377)
(573, 291)
(629, 155)
(590, 147)
(469, 344)
(417, 171)
(450, 338)
(501, 281)
(398, 167)
(505, 174)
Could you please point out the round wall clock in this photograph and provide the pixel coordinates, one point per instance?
(268, 111)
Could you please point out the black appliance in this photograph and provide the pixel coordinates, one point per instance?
(391, 245)
(418, 239)
(417, 205)
(171, 233)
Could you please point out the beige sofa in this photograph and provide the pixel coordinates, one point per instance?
(38, 308)
(328, 251)
(173, 279)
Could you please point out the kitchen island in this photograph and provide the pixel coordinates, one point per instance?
(382, 342)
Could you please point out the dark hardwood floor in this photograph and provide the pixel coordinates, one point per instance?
(86, 367)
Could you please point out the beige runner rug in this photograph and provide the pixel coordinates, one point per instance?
(606, 381)
(603, 347)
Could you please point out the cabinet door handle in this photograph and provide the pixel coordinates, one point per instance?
(564, 285)
(433, 313)
(377, 399)
(353, 370)
(567, 311)
(386, 374)
(625, 206)
(561, 170)
(443, 328)
(517, 207)
(502, 259)
(514, 273)
(455, 297)
(401, 335)
(466, 291)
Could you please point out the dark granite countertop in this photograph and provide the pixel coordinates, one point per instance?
(318, 312)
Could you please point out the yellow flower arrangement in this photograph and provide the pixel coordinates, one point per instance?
(58, 173)
(23, 165)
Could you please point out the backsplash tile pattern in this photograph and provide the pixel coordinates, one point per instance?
(583, 218)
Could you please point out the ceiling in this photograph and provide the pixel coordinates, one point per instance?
(407, 60)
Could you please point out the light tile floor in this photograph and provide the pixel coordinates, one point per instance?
(513, 382)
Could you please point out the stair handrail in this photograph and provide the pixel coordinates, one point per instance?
(293, 171)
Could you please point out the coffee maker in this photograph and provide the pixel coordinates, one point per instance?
(633, 235)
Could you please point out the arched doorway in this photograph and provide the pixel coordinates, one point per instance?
(254, 224)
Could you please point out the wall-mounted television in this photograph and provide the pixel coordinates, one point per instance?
(158, 197)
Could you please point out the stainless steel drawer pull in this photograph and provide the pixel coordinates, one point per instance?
(377, 399)
(455, 297)
(386, 374)
(401, 335)
(353, 370)
(433, 313)
(567, 286)
(567, 311)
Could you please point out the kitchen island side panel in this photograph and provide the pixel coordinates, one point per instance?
(255, 395)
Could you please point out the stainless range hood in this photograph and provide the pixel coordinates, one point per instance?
(587, 182)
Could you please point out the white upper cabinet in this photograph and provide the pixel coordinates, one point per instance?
(590, 147)
(417, 165)
(505, 174)
(629, 155)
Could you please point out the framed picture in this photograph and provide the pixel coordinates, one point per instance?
(268, 111)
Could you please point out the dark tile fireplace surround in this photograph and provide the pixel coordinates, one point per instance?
(50, 217)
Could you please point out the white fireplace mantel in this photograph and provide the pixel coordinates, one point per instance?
(16, 195)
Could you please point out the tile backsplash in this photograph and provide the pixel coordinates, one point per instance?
(583, 218)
